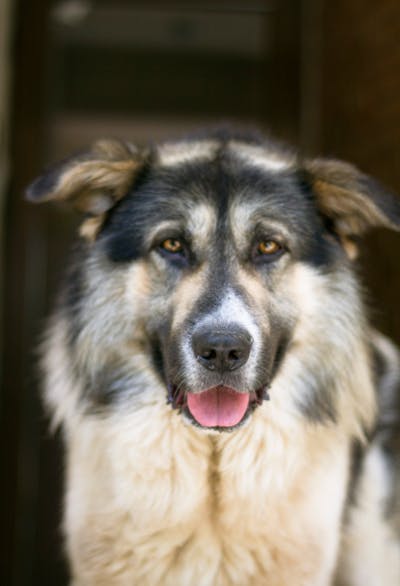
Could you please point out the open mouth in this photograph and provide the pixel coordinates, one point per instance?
(219, 407)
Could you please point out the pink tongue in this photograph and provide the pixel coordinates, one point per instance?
(218, 407)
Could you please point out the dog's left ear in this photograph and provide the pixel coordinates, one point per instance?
(91, 182)
(354, 202)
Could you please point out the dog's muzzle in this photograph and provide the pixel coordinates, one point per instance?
(225, 401)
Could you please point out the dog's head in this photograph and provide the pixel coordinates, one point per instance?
(218, 265)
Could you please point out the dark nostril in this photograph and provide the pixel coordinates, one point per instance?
(234, 355)
(223, 350)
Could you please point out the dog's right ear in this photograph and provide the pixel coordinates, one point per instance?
(353, 201)
(91, 182)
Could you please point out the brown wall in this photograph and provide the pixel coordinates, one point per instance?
(361, 122)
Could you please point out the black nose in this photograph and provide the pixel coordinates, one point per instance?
(222, 351)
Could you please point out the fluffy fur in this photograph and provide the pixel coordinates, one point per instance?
(236, 237)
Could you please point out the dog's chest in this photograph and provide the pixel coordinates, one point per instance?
(212, 511)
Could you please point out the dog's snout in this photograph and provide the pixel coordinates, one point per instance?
(222, 351)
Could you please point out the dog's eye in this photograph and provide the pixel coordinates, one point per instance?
(172, 245)
(175, 251)
(268, 248)
(267, 251)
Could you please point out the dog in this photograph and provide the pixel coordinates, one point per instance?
(230, 417)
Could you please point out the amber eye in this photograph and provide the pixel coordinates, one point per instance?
(268, 247)
(172, 245)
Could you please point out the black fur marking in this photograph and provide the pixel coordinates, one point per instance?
(157, 358)
(324, 246)
(123, 230)
(322, 253)
(280, 354)
(318, 405)
(109, 385)
(357, 455)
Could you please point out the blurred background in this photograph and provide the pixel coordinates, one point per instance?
(325, 76)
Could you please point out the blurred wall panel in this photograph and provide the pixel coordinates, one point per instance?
(361, 123)
(29, 489)
(5, 74)
(145, 71)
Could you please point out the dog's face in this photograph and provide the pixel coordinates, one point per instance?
(204, 254)
(220, 241)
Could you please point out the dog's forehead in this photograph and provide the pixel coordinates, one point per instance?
(225, 181)
(267, 157)
(239, 191)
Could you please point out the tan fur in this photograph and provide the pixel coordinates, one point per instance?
(187, 294)
(93, 183)
(350, 247)
(90, 228)
(207, 502)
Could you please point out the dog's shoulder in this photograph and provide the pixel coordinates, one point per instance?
(386, 357)
(372, 529)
